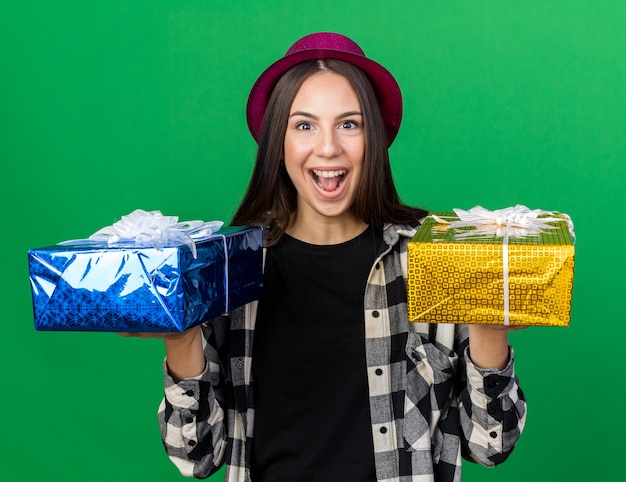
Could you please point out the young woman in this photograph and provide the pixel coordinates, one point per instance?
(324, 379)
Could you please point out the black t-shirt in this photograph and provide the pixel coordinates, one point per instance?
(312, 419)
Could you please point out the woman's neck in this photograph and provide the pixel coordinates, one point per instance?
(323, 230)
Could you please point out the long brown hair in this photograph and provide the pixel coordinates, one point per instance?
(270, 198)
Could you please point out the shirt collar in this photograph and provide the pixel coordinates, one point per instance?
(392, 232)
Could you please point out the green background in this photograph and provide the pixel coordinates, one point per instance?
(109, 106)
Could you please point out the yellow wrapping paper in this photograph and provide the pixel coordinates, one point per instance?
(458, 275)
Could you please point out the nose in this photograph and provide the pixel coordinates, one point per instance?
(327, 143)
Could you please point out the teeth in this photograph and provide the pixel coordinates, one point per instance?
(329, 173)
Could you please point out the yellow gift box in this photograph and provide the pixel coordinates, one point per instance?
(513, 266)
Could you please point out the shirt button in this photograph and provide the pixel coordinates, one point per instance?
(493, 434)
(192, 443)
(377, 265)
(189, 393)
(189, 420)
(375, 314)
(383, 429)
(379, 371)
(491, 411)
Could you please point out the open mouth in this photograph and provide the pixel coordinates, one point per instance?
(328, 180)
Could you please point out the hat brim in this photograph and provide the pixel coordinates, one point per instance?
(385, 86)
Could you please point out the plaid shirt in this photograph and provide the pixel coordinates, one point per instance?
(429, 404)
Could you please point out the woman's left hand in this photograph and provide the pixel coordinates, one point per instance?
(489, 345)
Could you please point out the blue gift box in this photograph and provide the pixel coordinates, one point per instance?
(145, 289)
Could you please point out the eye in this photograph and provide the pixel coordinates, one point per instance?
(304, 126)
(349, 124)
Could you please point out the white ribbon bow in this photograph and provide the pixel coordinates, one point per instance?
(519, 220)
(516, 221)
(152, 229)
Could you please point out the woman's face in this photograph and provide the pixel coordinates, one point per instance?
(324, 145)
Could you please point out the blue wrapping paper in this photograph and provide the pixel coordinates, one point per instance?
(144, 289)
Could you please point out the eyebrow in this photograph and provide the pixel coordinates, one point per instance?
(312, 116)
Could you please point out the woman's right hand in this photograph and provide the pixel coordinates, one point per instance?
(185, 356)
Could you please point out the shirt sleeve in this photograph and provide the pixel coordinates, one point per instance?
(492, 410)
(192, 415)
